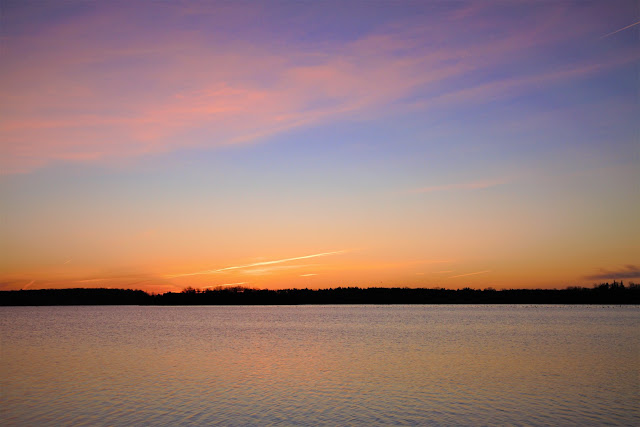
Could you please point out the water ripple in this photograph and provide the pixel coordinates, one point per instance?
(319, 365)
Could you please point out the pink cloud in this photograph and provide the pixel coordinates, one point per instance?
(82, 96)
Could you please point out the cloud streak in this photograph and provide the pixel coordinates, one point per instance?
(628, 272)
(255, 264)
(621, 29)
(198, 92)
(470, 274)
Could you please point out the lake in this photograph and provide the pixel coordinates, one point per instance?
(320, 365)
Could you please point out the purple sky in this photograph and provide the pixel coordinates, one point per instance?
(316, 144)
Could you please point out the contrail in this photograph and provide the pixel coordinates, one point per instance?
(279, 261)
(617, 31)
(255, 264)
(28, 284)
(470, 274)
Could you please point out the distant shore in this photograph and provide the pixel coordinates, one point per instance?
(605, 293)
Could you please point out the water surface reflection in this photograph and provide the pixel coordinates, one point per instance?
(309, 365)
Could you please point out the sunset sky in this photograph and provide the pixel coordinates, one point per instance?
(278, 144)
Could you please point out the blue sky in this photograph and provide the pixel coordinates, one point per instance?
(418, 143)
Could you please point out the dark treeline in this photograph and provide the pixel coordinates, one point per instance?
(75, 296)
(615, 293)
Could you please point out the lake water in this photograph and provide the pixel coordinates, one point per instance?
(320, 365)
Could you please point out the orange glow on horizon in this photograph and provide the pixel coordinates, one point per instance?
(421, 145)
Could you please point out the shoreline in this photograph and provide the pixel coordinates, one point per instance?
(603, 294)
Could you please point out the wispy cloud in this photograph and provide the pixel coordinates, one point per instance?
(279, 261)
(268, 269)
(621, 29)
(106, 281)
(308, 274)
(67, 102)
(628, 272)
(120, 279)
(392, 265)
(255, 264)
(470, 274)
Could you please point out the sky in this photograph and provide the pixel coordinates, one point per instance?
(277, 144)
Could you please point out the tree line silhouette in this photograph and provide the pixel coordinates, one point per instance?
(604, 293)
